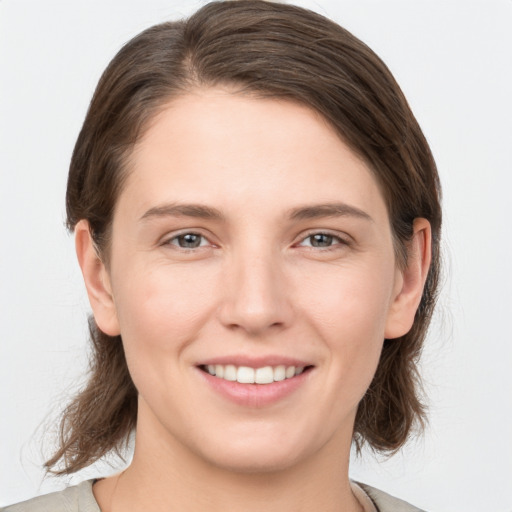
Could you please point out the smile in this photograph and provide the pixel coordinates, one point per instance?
(248, 375)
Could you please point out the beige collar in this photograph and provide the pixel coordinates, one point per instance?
(363, 498)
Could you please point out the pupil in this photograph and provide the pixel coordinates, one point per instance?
(321, 240)
(190, 241)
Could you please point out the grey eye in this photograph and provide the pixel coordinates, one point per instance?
(188, 240)
(321, 240)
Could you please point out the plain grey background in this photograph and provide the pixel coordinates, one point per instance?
(453, 60)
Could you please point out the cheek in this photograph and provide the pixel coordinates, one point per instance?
(351, 298)
(162, 310)
(348, 310)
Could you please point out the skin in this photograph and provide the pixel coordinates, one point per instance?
(256, 286)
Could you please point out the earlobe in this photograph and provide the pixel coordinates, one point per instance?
(411, 281)
(97, 280)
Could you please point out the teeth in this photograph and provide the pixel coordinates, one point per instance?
(290, 372)
(264, 375)
(279, 373)
(230, 372)
(247, 375)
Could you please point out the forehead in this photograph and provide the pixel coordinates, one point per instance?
(212, 144)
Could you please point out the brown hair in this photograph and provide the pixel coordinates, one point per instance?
(268, 50)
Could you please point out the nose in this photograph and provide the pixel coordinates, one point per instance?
(256, 297)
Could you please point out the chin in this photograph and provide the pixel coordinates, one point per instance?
(254, 463)
(256, 455)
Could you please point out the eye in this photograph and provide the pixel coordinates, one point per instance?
(188, 241)
(322, 240)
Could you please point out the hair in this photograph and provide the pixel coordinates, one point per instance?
(269, 50)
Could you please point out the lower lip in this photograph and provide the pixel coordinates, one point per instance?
(255, 395)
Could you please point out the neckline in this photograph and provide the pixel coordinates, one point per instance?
(362, 497)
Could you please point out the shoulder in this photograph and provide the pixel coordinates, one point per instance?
(387, 503)
(78, 498)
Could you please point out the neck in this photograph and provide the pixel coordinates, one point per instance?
(165, 475)
(178, 488)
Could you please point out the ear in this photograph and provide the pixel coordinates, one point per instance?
(410, 281)
(97, 280)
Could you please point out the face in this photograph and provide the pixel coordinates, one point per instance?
(253, 281)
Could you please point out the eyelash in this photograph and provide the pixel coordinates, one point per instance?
(333, 240)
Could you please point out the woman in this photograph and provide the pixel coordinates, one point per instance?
(257, 220)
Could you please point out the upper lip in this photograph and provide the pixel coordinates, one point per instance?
(255, 362)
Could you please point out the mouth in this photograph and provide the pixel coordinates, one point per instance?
(256, 382)
(247, 375)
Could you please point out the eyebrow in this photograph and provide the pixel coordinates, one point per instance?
(328, 210)
(183, 210)
(300, 213)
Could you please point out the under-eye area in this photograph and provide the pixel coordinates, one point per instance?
(248, 375)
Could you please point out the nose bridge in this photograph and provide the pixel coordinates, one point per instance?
(255, 297)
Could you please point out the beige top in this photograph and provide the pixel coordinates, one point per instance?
(80, 498)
